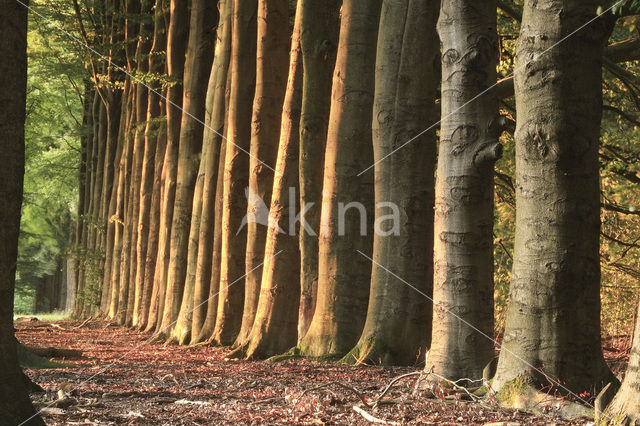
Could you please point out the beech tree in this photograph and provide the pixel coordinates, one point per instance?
(236, 173)
(204, 16)
(319, 46)
(396, 330)
(271, 79)
(274, 329)
(15, 405)
(553, 318)
(343, 274)
(469, 147)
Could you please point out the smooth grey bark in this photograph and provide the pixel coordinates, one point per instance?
(407, 76)
(553, 317)
(469, 147)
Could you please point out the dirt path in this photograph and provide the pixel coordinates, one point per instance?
(118, 379)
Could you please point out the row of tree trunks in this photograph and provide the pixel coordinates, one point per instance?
(314, 265)
(187, 210)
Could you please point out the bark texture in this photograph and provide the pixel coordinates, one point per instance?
(407, 77)
(553, 318)
(463, 226)
(344, 275)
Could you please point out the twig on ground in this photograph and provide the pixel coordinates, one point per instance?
(384, 392)
(371, 418)
(84, 323)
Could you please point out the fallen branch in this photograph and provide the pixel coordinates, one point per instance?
(371, 418)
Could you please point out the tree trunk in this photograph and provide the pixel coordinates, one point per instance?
(118, 201)
(463, 225)
(208, 327)
(407, 77)
(271, 81)
(209, 166)
(234, 238)
(344, 274)
(186, 220)
(15, 406)
(318, 42)
(152, 131)
(176, 47)
(625, 407)
(275, 327)
(553, 318)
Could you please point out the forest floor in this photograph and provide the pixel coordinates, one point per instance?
(113, 376)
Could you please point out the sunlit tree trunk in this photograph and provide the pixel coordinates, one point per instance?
(204, 17)
(176, 49)
(271, 81)
(275, 327)
(345, 228)
(318, 42)
(407, 77)
(553, 318)
(236, 176)
(469, 147)
(15, 406)
(152, 129)
(209, 166)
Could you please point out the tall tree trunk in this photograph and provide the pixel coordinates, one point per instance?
(200, 52)
(463, 226)
(176, 49)
(236, 176)
(124, 283)
(345, 228)
(209, 166)
(152, 131)
(553, 318)
(117, 216)
(15, 406)
(318, 42)
(139, 149)
(407, 77)
(275, 327)
(271, 81)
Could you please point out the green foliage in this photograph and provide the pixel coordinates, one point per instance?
(52, 133)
